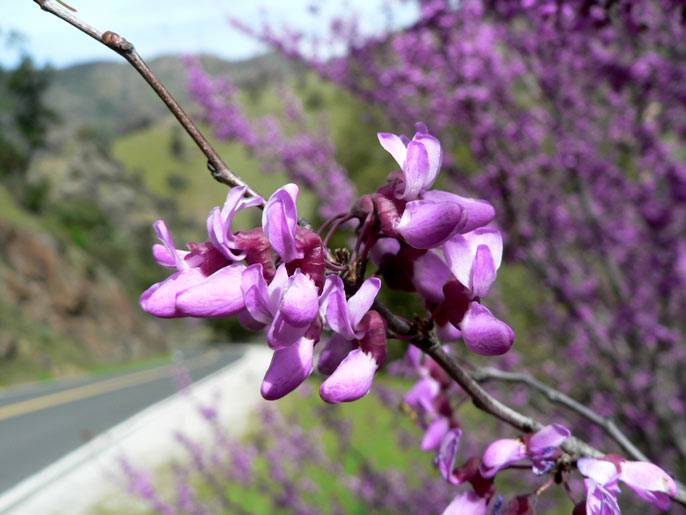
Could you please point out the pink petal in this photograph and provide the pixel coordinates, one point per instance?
(448, 333)
(485, 334)
(362, 300)
(500, 454)
(430, 274)
(383, 247)
(601, 471)
(337, 315)
(164, 258)
(351, 380)
(300, 301)
(415, 171)
(550, 436)
(334, 351)
(466, 504)
(160, 298)
(422, 395)
(288, 369)
(599, 500)
(461, 252)
(434, 434)
(256, 295)
(217, 296)
(479, 212)
(435, 156)
(425, 224)
(483, 271)
(279, 221)
(649, 481)
(394, 146)
(165, 237)
(447, 452)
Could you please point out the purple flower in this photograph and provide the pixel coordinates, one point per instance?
(467, 503)
(474, 258)
(358, 348)
(203, 286)
(542, 448)
(424, 219)
(419, 159)
(289, 305)
(646, 479)
(219, 221)
(280, 222)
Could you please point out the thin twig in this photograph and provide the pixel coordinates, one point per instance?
(553, 395)
(220, 171)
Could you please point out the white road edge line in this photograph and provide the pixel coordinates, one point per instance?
(88, 475)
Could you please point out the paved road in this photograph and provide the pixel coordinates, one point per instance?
(41, 423)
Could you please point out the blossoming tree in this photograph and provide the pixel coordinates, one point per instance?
(316, 303)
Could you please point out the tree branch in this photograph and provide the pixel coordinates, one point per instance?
(553, 395)
(220, 171)
(573, 446)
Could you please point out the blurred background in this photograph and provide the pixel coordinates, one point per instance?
(568, 116)
(89, 159)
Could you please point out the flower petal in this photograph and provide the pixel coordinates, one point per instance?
(500, 454)
(164, 258)
(435, 156)
(599, 500)
(434, 434)
(601, 471)
(448, 333)
(393, 145)
(351, 380)
(300, 300)
(425, 224)
(160, 298)
(217, 296)
(256, 295)
(447, 452)
(164, 236)
(334, 351)
(550, 436)
(430, 273)
(337, 315)
(485, 334)
(479, 212)
(649, 481)
(422, 394)
(362, 300)
(483, 271)
(279, 221)
(467, 504)
(415, 171)
(288, 369)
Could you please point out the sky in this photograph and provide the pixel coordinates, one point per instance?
(161, 27)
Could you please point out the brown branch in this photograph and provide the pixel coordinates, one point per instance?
(553, 395)
(220, 171)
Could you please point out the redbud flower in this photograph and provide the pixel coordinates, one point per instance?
(646, 479)
(542, 448)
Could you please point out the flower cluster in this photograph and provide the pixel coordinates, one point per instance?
(273, 277)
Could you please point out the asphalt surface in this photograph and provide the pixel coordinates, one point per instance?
(40, 423)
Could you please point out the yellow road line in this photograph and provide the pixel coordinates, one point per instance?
(108, 385)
